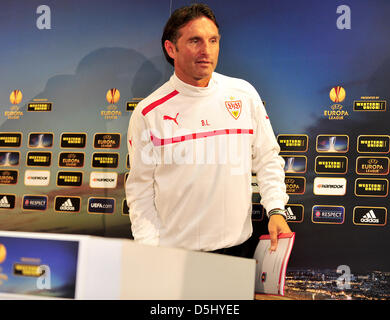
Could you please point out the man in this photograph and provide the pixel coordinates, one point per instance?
(193, 145)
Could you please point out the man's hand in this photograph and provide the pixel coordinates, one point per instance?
(277, 225)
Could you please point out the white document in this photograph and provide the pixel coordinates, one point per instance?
(271, 266)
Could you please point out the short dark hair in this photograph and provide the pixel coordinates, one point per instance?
(181, 17)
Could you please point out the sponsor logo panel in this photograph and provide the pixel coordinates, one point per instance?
(125, 208)
(101, 205)
(372, 165)
(329, 186)
(332, 143)
(69, 178)
(103, 179)
(9, 158)
(328, 214)
(257, 212)
(256, 197)
(39, 106)
(369, 105)
(295, 213)
(73, 140)
(7, 201)
(35, 202)
(9, 177)
(37, 177)
(295, 185)
(131, 105)
(10, 139)
(105, 160)
(71, 159)
(38, 159)
(293, 142)
(67, 204)
(295, 164)
(370, 216)
(373, 144)
(107, 140)
(365, 187)
(125, 178)
(40, 140)
(331, 165)
(27, 270)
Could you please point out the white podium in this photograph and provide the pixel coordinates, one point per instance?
(58, 266)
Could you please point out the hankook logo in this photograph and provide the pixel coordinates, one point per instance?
(36, 178)
(103, 179)
(330, 186)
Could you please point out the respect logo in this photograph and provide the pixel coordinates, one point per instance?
(328, 214)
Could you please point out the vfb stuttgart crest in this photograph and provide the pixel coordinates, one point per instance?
(234, 108)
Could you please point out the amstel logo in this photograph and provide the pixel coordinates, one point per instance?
(337, 94)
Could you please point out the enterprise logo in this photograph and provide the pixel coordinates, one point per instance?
(328, 214)
(330, 186)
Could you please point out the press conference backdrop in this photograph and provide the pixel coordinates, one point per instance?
(71, 72)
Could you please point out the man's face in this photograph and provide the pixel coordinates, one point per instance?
(195, 53)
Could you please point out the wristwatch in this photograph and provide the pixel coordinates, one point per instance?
(281, 212)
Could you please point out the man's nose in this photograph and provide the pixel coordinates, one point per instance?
(205, 48)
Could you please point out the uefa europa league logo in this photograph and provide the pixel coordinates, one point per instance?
(16, 97)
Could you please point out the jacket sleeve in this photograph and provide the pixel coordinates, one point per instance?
(266, 162)
(139, 184)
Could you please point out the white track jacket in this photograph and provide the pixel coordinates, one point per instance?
(192, 153)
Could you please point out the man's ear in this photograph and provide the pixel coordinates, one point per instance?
(170, 48)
